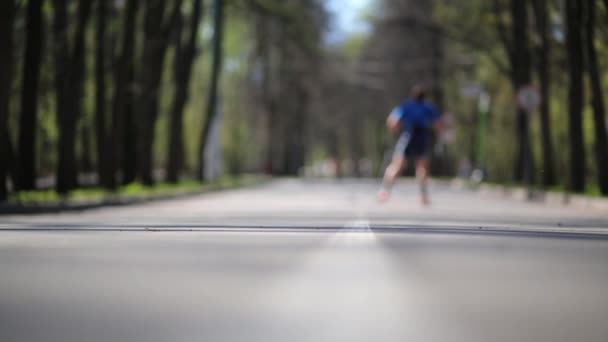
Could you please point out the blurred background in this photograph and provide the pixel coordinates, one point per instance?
(109, 93)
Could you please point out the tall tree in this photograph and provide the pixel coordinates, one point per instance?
(7, 17)
(269, 93)
(543, 66)
(183, 61)
(266, 29)
(100, 93)
(216, 69)
(287, 55)
(574, 44)
(29, 96)
(601, 141)
(62, 67)
(156, 39)
(521, 73)
(123, 136)
(517, 48)
(70, 67)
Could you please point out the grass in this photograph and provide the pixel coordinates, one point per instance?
(130, 191)
(592, 190)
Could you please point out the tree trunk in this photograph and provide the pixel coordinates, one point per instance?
(100, 94)
(264, 31)
(62, 64)
(521, 76)
(86, 148)
(7, 17)
(543, 65)
(77, 92)
(70, 75)
(156, 38)
(298, 124)
(212, 99)
(129, 137)
(272, 109)
(123, 136)
(29, 97)
(601, 141)
(574, 14)
(184, 60)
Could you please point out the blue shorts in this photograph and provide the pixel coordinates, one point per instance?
(413, 144)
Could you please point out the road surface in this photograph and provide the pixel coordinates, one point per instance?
(296, 260)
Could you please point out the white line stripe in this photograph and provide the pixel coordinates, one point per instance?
(357, 224)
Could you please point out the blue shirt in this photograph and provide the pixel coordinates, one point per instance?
(415, 115)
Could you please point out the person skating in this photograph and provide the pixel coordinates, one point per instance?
(413, 121)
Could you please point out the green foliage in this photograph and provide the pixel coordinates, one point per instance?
(353, 45)
(472, 31)
(473, 52)
(130, 191)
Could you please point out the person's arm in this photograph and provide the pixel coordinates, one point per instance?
(393, 122)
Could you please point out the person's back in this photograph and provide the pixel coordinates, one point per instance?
(415, 117)
(416, 114)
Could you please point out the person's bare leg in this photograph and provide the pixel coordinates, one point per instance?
(422, 172)
(391, 173)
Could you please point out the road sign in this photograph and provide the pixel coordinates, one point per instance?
(528, 98)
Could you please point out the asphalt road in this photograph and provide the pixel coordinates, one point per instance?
(307, 261)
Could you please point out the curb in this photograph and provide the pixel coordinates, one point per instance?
(549, 198)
